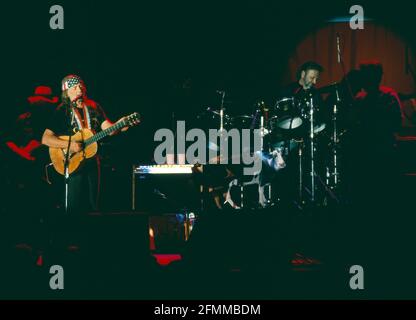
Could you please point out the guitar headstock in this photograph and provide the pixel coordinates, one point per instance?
(133, 119)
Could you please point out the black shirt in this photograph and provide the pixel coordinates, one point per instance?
(301, 95)
(290, 90)
(63, 122)
(376, 118)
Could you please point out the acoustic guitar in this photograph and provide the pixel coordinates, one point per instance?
(90, 146)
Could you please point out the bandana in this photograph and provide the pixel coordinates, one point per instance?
(72, 81)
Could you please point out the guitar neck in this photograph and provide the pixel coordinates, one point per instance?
(104, 133)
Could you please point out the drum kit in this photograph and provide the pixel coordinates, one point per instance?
(294, 129)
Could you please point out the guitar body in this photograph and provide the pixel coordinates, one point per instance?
(57, 155)
(89, 139)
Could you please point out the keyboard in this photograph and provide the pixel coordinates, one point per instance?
(164, 169)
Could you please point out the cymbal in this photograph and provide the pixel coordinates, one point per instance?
(211, 111)
(328, 89)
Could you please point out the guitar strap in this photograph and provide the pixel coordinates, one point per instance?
(82, 123)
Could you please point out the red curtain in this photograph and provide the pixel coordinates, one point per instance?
(373, 42)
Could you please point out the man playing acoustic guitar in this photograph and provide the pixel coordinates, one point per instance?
(79, 117)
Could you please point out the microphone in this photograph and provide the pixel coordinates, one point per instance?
(338, 50)
(74, 103)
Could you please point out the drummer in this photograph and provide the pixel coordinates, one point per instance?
(302, 91)
(307, 76)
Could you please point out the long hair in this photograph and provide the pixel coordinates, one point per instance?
(64, 98)
(64, 95)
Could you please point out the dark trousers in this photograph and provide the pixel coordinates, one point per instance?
(84, 188)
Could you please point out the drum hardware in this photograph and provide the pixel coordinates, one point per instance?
(262, 133)
(309, 115)
(293, 125)
(312, 151)
(333, 175)
(300, 174)
(222, 93)
(335, 138)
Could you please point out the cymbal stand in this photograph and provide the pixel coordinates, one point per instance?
(300, 154)
(312, 145)
(268, 186)
(332, 174)
(335, 140)
(222, 111)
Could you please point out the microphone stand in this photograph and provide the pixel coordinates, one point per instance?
(344, 74)
(67, 157)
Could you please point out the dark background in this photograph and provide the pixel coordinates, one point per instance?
(161, 57)
(164, 57)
